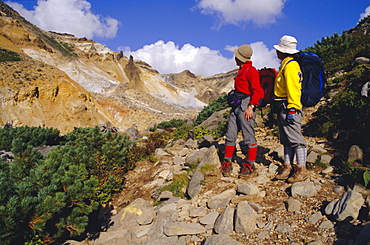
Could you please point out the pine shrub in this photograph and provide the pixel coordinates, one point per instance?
(50, 198)
(216, 105)
(173, 123)
(34, 136)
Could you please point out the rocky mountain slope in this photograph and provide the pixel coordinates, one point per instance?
(234, 210)
(103, 84)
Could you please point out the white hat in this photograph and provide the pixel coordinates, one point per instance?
(287, 44)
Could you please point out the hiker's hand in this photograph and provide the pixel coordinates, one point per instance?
(290, 116)
(248, 113)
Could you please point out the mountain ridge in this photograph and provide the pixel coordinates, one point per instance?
(125, 90)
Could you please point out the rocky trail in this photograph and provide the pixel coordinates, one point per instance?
(253, 209)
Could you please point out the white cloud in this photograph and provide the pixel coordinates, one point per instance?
(263, 57)
(367, 12)
(70, 16)
(170, 58)
(235, 12)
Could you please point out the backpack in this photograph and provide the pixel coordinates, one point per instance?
(314, 79)
(267, 79)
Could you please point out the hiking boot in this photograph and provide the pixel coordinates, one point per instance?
(226, 167)
(299, 174)
(284, 172)
(246, 169)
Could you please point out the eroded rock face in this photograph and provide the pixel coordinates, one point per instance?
(35, 94)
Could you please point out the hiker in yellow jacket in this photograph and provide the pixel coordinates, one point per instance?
(287, 95)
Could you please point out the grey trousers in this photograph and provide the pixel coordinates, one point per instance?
(238, 122)
(291, 134)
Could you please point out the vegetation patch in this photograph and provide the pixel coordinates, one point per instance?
(173, 123)
(65, 48)
(206, 169)
(51, 197)
(216, 105)
(7, 55)
(178, 185)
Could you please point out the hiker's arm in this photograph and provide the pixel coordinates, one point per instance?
(292, 75)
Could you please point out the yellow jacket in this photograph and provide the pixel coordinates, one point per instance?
(288, 83)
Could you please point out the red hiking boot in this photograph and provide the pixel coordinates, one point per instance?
(226, 167)
(247, 168)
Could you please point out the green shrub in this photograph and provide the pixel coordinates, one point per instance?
(216, 105)
(174, 123)
(178, 185)
(338, 51)
(201, 131)
(43, 198)
(50, 198)
(145, 149)
(64, 48)
(356, 174)
(104, 155)
(7, 55)
(182, 132)
(34, 136)
(348, 115)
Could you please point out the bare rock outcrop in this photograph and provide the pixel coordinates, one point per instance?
(45, 96)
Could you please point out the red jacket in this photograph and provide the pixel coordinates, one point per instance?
(248, 81)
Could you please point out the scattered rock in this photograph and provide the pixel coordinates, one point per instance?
(314, 218)
(247, 189)
(182, 228)
(249, 209)
(328, 170)
(347, 207)
(225, 222)
(355, 154)
(221, 240)
(303, 189)
(221, 200)
(327, 224)
(245, 218)
(293, 205)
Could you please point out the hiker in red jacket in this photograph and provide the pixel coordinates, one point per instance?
(242, 116)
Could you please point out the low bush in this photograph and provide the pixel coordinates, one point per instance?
(349, 111)
(50, 198)
(7, 55)
(173, 123)
(216, 105)
(182, 132)
(34, 136)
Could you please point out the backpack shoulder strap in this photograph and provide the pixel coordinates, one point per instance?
(290, 61)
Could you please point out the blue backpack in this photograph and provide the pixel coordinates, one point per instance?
(314, 79)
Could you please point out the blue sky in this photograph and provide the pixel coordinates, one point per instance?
(197, 35)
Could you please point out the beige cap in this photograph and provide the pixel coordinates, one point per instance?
(287, 44)
(243, 53)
